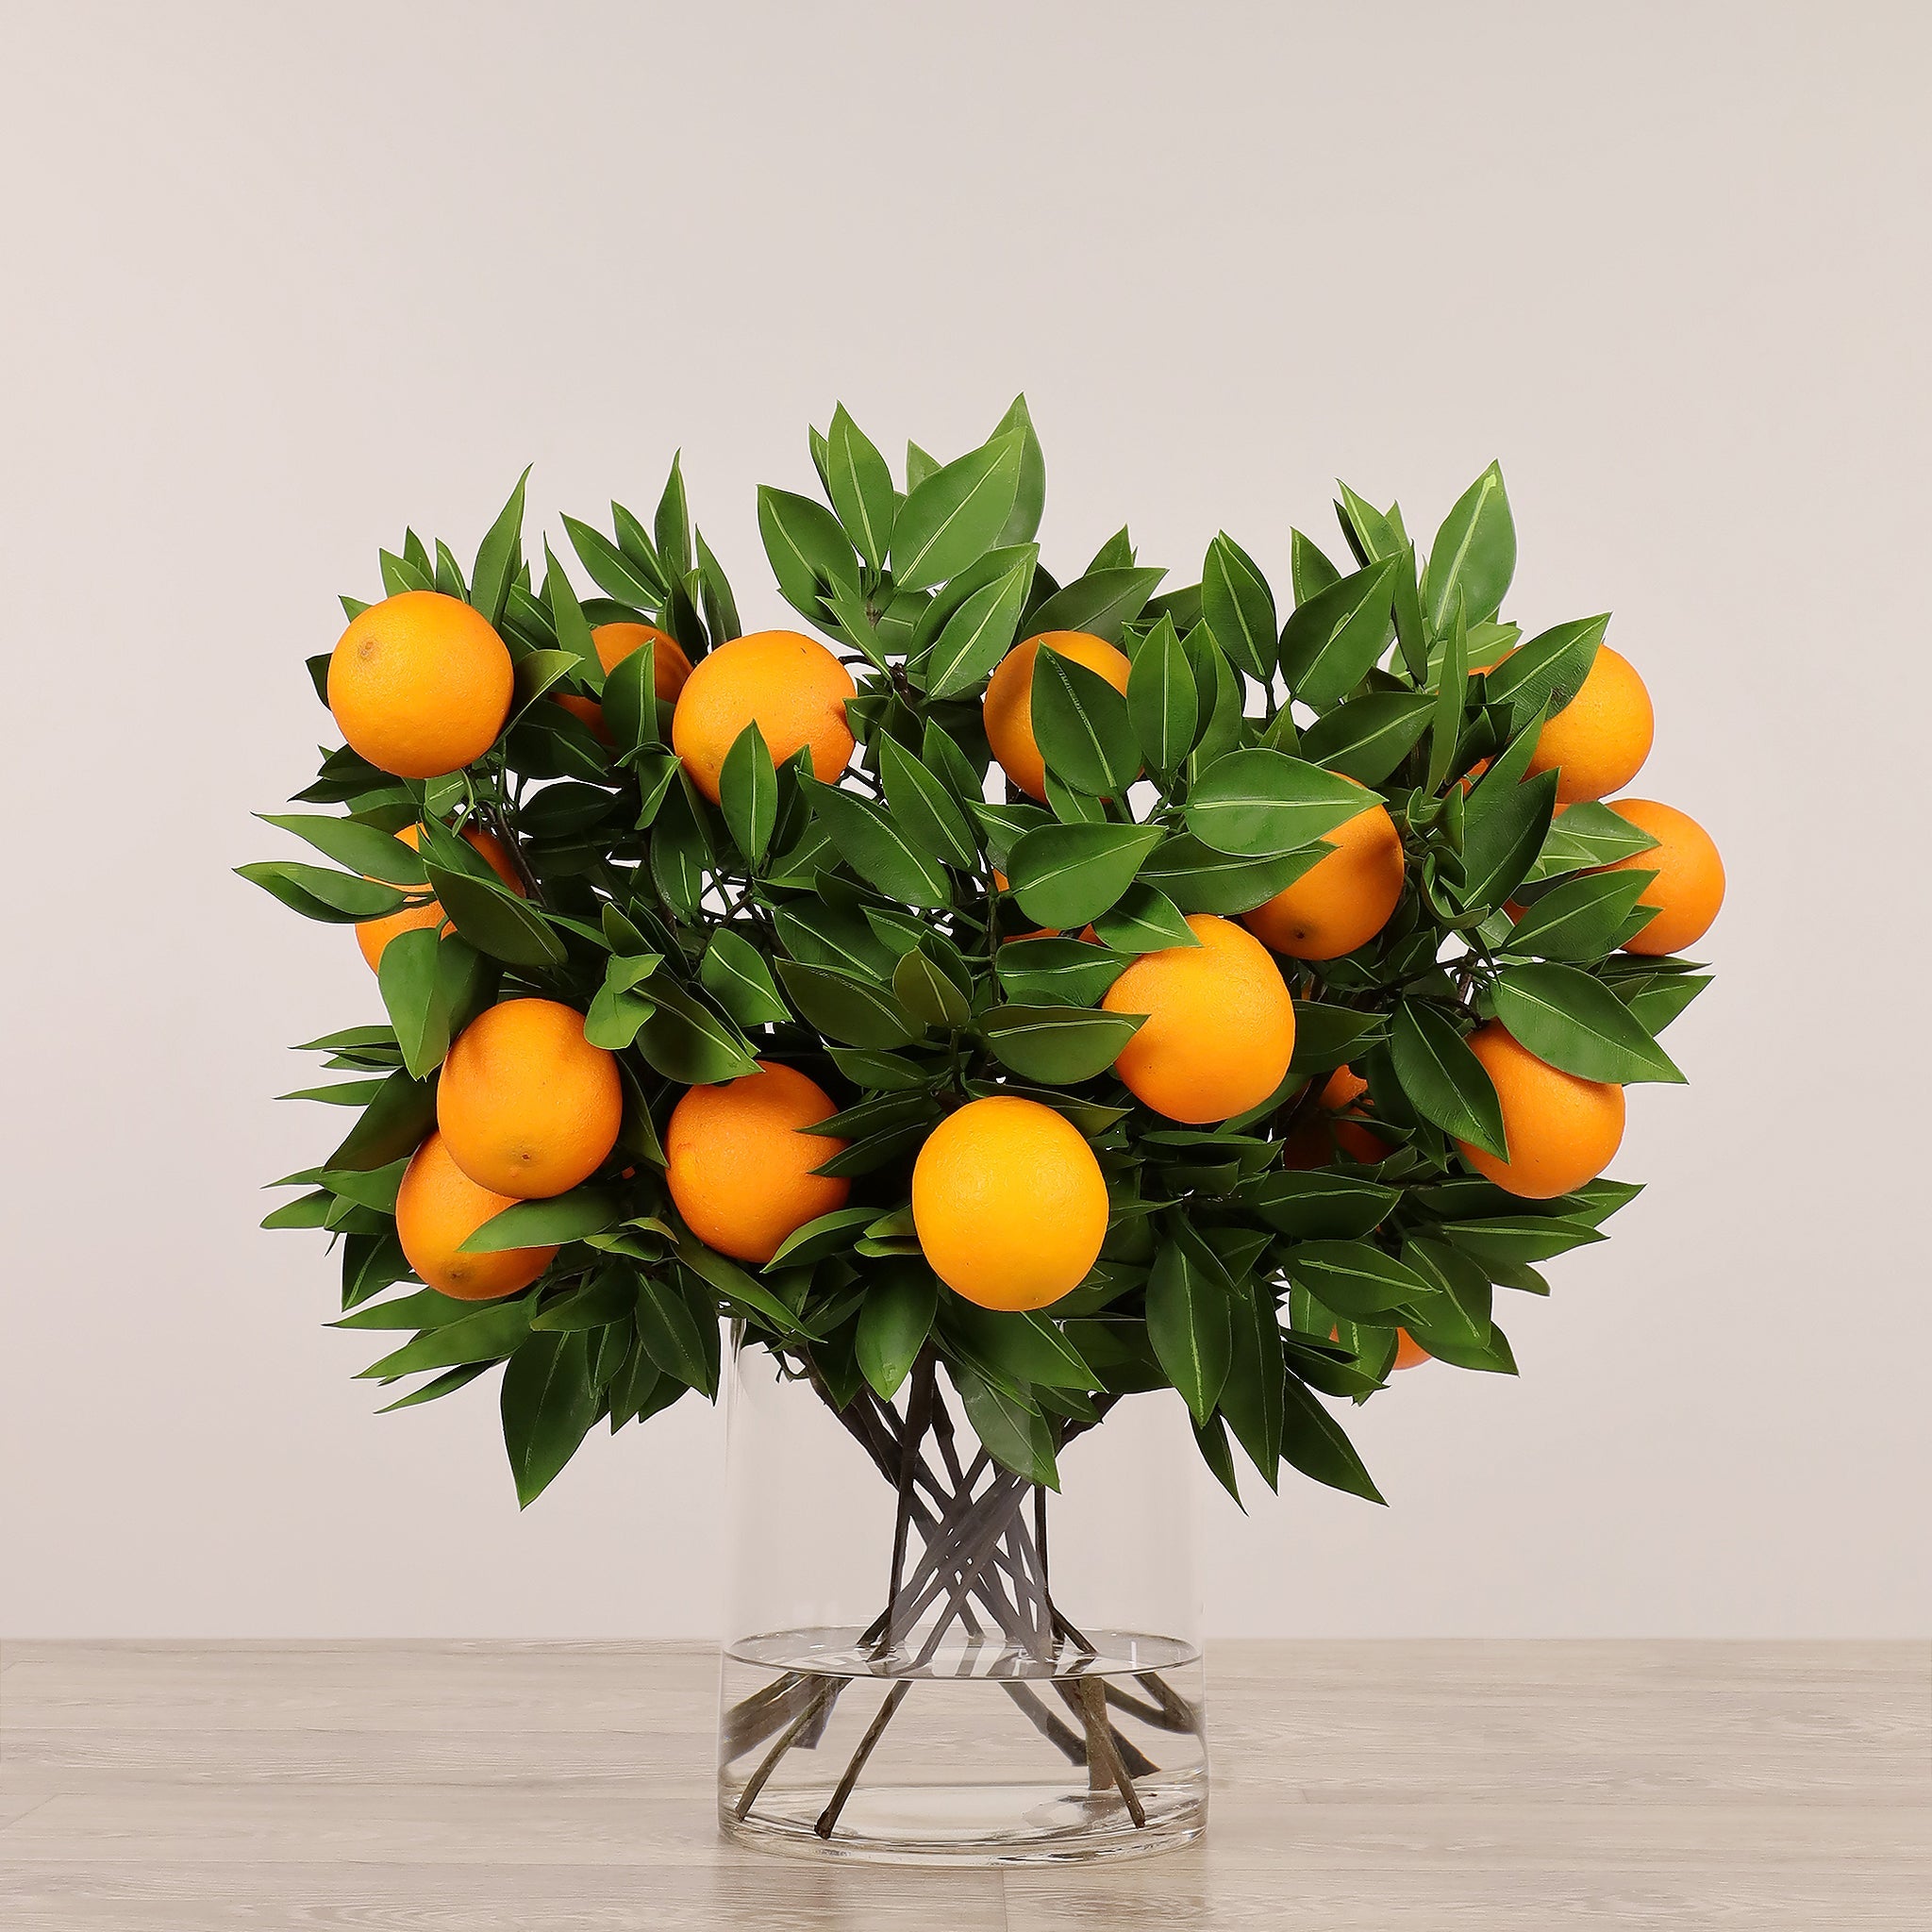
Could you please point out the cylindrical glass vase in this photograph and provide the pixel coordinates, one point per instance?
(930, 1658)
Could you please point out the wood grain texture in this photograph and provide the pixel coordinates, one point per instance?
(427, 1788)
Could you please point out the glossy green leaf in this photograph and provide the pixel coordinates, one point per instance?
(928, 994)
(1252, 1397)
(1581, 919)
(494, 921)
(957, 512)
(1577, 1024)
(1058, 1045)
(686, 1042)
(334, 898)
(978, 634)
(1066, 971)
(545, 1223)
(1473, 554)
(1190, 1326)
(1080, 723)
(1547, 673)
(1443, 1079)
(1065, 876)
(499, 557)
(1163, 705)
(374, 854)
(924, 808)
(1329, 643)
(1312, 1440)
(1098, 604)
(860, 486)
(413, 996)
(1505, 825)
(1309, 570)
(1584, 835)
(1238, 607)
(1196, 879)
(847, 1006)
(1015, 1437)
(1353, 1277)
(1368, 737)
(893, 1322)
(1143, 921)
(806, 547)
(1262, 803)
(1029, 499)
(734, 972)
(876, 849)
(1319, 1205)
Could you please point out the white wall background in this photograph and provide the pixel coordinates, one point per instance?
(280, 283)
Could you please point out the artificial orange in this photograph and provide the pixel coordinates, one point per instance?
(373, 935)
(1009, 1203)
(791, 687)
(420, 684)
(1600, 737)
(1689, 883)
(1220, 1026)
(1310, 1143)
(438, 1208)
(741, 1165)
(1562, 1130)
(1008, 709)
(527, 1106)
(1343, 899)
(669, 668)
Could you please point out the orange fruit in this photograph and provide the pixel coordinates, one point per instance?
(1311, 1142)
(438, 1208)
(1008, 704)
(1009, 1203)
(795, 690)
(669, 667)
(1562, 1130)
(527, 1106)
(420, 685)
(1220, 1026)
(373, 935)
(1689, 883)
(1342, 901)
(1409, 1353)
(740, 1170)
(1600, 737)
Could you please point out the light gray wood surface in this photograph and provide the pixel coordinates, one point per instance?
(432, 1786)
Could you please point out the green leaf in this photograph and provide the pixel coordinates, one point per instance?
(860, 486)
(1238, 607)
(1547, 673)
(1251, 1398)
(1452, 701)
(1313, 1442)
(412, 993)
(573, 627)
(847, 1006)
(1058, 1045)
(1656, 1002)
(500, 557)
(425, 1308)
(1353, 1277)
(748, 791)
(1016, 1438)
(548, 1405)
(739, 1287)
(1587, 835)
(1026, 1349)
(721, 606)
(893, 1322)
(1262, 803)
(807, 548)
(886, 1073)
(1139, 921)
(1409, 629)
(1163, 705)
(669, 1330)
(1329, 643)
(1520, 1238)
(1371, 535)
(546, 1223)
(1579, 1024)
(922, 806)
(928, 994)
(393, 1124)
(1099, 603)
(493, 1332)
(1190, 1326)
(1309, 570)
(1443, 1079)
(1064, 971)
(494, 921)
(956, 513)
(830, 1234)
(614, 572)
(1475, 553)
(1369, 736)
(1504, 830)
(686, 1042)
(671, 523)
(1326, 1034)
(1080, 725)
(334, 898)
(602, 1303)
(374, 854)
(734, 971)
(1319, 1205)
(1029, 499)
(1067, 875)
(1197, 879)
(876, 848)
(1581, 919)
(978, 634)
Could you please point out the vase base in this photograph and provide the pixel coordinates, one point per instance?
(981, 1826)
(982, 1753)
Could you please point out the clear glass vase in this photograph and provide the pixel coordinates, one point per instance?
(928, 1659)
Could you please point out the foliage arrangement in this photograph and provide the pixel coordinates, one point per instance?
(1079, 988)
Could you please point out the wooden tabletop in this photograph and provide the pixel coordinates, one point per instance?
(542, 1788)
